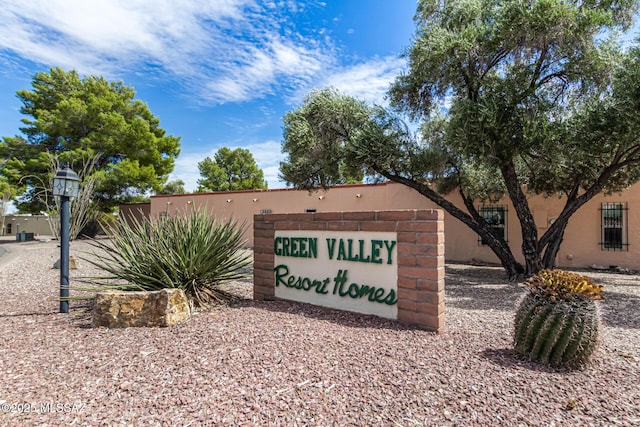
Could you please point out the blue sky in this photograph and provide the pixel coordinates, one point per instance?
(218, 73)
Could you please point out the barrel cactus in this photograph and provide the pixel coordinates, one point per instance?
(557, 321)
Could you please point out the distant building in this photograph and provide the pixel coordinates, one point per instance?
(602, 232)
(36, 224)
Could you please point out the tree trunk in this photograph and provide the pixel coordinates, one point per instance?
(502, 250)
(499, 247)
(528, 227)
(550, 254)
(554, 236)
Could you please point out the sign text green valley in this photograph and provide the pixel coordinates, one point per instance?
(375, 251)
(345, 270)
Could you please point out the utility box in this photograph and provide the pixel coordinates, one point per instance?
(23, 236)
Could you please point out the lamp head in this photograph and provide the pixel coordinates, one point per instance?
(66, 183)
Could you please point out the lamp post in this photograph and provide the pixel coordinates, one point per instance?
(66, 184)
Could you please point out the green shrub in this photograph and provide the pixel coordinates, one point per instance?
(557, 322)
(194, 252)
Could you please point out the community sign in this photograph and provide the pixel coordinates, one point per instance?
(346, 270)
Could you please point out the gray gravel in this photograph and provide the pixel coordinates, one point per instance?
(281, 363)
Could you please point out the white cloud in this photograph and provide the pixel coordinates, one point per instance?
(257, 71)
(217, 51)
(224, 50)
(368, 81)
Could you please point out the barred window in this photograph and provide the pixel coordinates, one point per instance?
(496, 217)
(614, 227)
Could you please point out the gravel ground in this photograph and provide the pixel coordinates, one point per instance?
(284, 363)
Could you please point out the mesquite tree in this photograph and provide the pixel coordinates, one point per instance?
(513, 98)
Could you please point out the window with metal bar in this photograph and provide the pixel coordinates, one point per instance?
(496, 217)
(613, 225)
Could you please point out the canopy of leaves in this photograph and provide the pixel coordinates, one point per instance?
(230, 170)
(8, 192)
(315, 137)
(512, 97)
(71, 117)
(173, 187)
(509, 76)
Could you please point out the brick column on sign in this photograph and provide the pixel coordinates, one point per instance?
(421, 270)
(420, 237)
(263, 258)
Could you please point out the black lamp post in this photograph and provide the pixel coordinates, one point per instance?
(66, 184)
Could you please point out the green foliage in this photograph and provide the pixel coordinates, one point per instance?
(514, 98)
(194, 252)
(71, 117)
(7, 191)
(557, 322)
(315, 139)
(230, 170)
(173, 187)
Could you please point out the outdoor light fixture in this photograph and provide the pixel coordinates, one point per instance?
(66, 184)
(358, 195)
(229, 200)
(255, 200)
(321, 197)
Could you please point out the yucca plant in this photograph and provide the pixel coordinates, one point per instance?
(557, 322)
(195, 252)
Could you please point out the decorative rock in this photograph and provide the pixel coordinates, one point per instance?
(73, 264)
(122, 309)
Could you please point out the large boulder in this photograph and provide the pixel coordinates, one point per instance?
(122, 309)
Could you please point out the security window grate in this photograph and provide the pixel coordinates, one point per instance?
(496, 217)
(614, 227)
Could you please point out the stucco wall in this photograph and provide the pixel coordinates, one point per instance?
(580, 248)
(36, 224)
(135, 211)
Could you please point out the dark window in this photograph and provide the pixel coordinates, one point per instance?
(309, 210)
(496, 217)
(614, 227)
(9, 228)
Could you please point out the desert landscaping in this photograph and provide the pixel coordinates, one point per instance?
(287, 363)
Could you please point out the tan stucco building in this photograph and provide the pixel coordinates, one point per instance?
(38, 225)
(605, 231)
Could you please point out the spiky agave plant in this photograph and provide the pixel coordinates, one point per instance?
(194, 252)
(557, 322)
